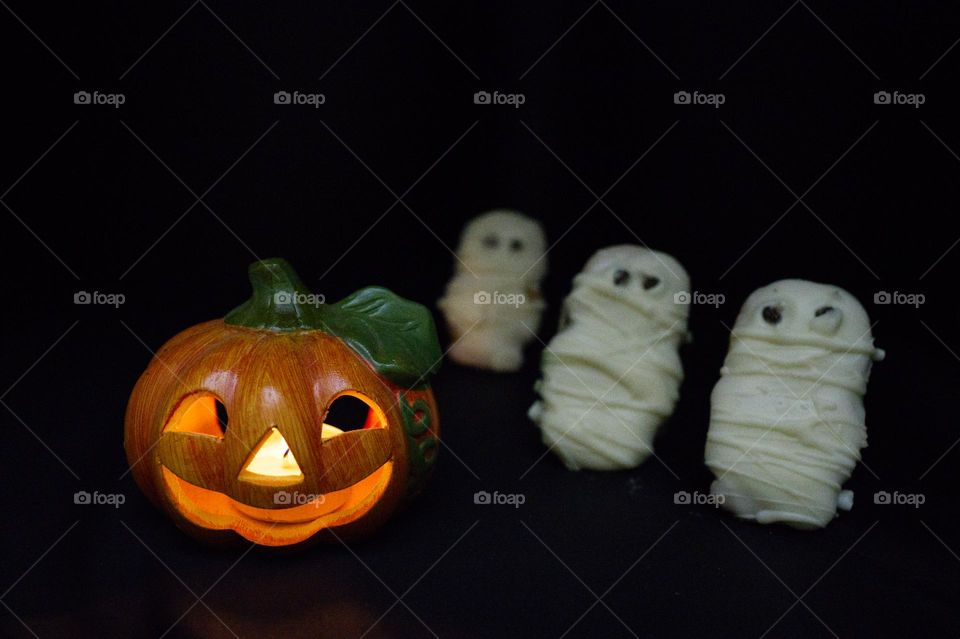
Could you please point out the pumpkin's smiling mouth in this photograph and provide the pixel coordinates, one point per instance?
(215, 510)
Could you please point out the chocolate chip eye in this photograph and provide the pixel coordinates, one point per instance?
(772, 314)
(649, 282)
(491, 241)
(823, 310)
(516, 245)
(621, 277)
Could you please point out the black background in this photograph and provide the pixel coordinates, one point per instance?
(104, 210)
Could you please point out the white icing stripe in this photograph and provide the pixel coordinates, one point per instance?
(837, 368)
(604, 293)
(861, 347)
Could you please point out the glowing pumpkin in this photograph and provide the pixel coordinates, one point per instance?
(228, 430)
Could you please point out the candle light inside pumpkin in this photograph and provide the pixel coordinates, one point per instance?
(274, 458)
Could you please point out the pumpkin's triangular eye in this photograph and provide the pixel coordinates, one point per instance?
(200, 413)
(272, 461)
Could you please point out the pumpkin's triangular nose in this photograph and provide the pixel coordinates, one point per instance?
(272, 462)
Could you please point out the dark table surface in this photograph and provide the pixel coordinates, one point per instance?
(169, 197)
(598, 554)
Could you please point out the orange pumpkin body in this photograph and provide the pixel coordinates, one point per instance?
(345, 484)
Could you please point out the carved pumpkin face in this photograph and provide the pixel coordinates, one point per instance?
(229, 431)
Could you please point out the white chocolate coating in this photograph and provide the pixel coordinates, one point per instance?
(787, 417)
(493, 304)
(611, 375)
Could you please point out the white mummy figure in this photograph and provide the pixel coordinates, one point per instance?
(612, 373)
(493, 303)
(787, 418)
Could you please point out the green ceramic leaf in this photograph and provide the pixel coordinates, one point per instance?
(395, 335)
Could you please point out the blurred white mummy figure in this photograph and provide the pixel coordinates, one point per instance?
(493, 303)
(611, 375)
(787, 418)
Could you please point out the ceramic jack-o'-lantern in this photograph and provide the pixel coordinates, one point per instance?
(231, 429)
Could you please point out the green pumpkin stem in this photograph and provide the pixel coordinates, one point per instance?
(280, 301)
